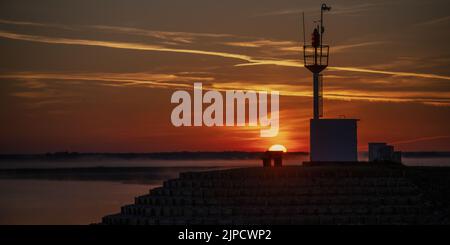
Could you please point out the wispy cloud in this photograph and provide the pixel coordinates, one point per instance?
(341, 94)
(184, 81)
(112, 79)
(393, 73)
(277, 46)
(343, 47)
(336, 9)
(242, 57)
(38, 97)
(41, 89)
(434, 21)
(262, 43)
(36, 24)
(421, 139)
(178, 37)
(355, 9)
(118, 45)
(168, 36)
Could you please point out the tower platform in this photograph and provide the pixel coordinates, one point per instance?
(289, 195)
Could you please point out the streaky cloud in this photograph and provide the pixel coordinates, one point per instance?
(180, 37)
(415, 140)
(340, 48)
(177, 81)
(337, 10)
(434, 21)
(36, 24)
(118, 79)
(393, 73)
(174, 36)
(242, 57)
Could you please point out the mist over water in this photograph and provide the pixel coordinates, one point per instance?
(111, 162)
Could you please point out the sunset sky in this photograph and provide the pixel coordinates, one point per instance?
(98, 75)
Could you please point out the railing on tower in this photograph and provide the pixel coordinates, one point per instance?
(316, 58)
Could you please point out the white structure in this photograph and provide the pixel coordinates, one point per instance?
(382, 152)
(333, 140)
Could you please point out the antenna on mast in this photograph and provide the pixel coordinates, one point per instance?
(315, 58)
(323, 8)
(304, 37)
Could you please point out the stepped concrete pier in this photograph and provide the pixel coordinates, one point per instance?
(361, 194)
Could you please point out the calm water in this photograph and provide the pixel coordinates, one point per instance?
(63, 202)
(32, 201)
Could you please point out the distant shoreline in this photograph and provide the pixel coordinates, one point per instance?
(183, 155)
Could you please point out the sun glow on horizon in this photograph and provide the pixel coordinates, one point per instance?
(278, 148)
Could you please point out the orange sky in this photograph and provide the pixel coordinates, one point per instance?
(97, 76)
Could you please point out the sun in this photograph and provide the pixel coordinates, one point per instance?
(278, 148)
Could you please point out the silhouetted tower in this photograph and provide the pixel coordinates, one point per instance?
(315, 58)
(331, 140)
